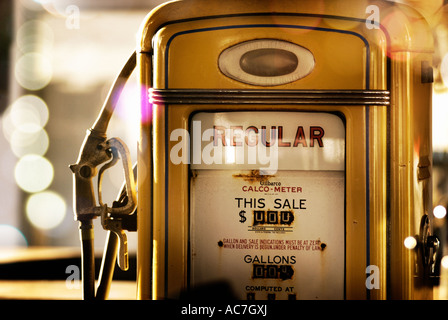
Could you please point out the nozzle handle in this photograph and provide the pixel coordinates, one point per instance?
(93, 153)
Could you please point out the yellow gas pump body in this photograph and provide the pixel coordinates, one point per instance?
(372, 79)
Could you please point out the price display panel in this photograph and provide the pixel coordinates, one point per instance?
(267, 204)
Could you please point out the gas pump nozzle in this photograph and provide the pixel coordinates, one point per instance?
(112, 217)
(95, 151)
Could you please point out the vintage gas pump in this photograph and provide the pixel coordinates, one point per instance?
(285, 150)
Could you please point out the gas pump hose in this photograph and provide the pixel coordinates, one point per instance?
(88, 259)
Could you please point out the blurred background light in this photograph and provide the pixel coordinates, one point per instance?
(444, 262)
(35, 36)
(410, 242)
(33, 71)
(439, 212)
(444, 69)
(33, 173)
(23, 143)
(11, 237)
(46, 210)
(439, 120)
(28, 114)
(29, 110)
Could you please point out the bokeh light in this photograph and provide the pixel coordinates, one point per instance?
(29, 113)
(35, 36)
(23, 143)
(23, 126)
(444, 70)
(439, 212)
(46, 210)
(444, 262)
(439, 127)
(410, 242)
(11, 237)
(33, 173)
(33, 71)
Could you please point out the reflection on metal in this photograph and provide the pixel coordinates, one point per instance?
(257, 62)
(266, 62)
(339, 97)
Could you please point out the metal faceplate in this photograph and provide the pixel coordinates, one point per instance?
(267, 204)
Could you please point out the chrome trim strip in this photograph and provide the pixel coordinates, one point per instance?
(282, 97)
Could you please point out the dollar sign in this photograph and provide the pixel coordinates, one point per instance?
(243, 218)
